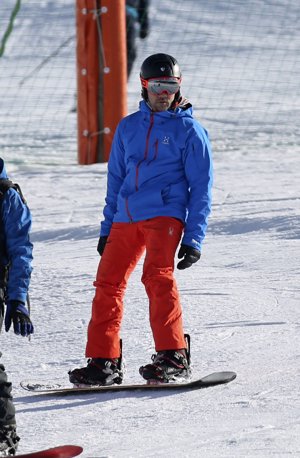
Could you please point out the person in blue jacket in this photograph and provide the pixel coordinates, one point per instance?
(158, 194)
(15, 272)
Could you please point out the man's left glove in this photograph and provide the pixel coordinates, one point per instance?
(17, 313)
(189, 254)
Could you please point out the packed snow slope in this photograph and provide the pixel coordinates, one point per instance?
(240, 301)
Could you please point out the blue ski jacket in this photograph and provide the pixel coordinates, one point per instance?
(16, 248)
(160, 164)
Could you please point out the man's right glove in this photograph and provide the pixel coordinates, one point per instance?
(101, 244)
(189, 254)
(17, 313)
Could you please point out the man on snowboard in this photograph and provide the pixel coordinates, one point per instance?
(158, 193)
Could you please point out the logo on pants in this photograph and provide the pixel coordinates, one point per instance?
(171, 230)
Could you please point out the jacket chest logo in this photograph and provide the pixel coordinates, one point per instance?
(166, 140)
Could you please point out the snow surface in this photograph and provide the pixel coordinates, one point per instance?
(241, 301)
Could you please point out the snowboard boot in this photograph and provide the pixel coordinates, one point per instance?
(168, 366)
(9, 440)
(98, 372)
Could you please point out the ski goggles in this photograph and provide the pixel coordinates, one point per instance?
(158, 86)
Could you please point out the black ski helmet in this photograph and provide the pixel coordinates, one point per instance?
(158, 65)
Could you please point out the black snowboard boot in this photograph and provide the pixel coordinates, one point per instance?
(168, 366)
(99, 371)
(9, 440)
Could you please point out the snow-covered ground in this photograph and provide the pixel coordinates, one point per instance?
(241, 301)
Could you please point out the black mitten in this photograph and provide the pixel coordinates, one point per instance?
(189, 254)
(101, 244)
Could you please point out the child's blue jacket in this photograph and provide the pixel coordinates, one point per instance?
(17, 253)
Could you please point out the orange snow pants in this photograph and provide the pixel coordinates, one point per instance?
(126, 244)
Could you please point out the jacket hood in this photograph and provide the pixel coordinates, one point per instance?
(3, 174)
(183, 109)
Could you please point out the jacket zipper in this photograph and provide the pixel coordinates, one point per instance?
(127, 210)
(139, 164)
(145, 154)
(156, 151)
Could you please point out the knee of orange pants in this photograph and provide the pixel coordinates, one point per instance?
(104, 327)
(164, 308)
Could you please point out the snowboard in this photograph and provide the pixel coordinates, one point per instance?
(63, 451)
(216, 378)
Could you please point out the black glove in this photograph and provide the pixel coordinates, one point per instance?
(189, 255)
(101, 244)
(17, 313)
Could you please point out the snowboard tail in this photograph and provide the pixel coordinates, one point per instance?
(216, 378)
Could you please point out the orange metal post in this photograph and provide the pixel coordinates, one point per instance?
(101, 75)
(87, 81)
(113, 24)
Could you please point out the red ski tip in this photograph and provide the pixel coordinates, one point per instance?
(62, 451)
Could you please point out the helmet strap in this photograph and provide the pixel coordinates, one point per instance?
(144, 94)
